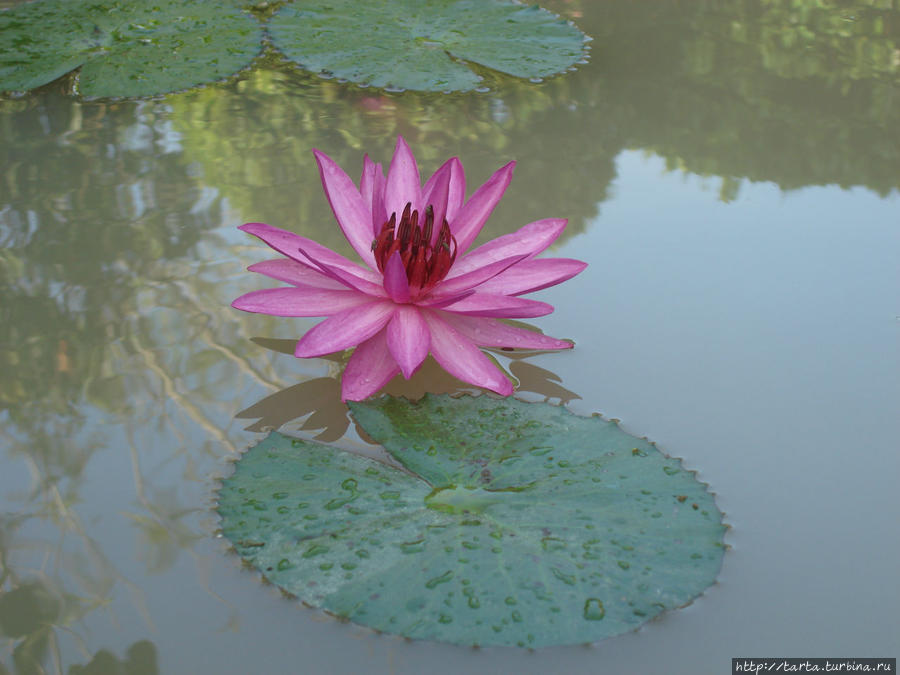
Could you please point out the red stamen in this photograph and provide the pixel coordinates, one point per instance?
(426, 263)
(429, 222)
(417, 272)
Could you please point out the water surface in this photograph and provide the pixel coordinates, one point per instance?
(731, 173)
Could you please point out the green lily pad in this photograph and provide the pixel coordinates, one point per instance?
(514, 524)
(422, 44)
(125, 47)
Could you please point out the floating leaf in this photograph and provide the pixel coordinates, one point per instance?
(516, 524)
(418, 44)
(125, 47)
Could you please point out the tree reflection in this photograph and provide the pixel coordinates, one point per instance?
(86, 213)
(95, 204)
(253, 139)
(797, 93)
(140, 659)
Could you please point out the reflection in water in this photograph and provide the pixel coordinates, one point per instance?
(122, 365)
(264, 164)
(795, 93)
(79, 225)
(320, 398)
(140, 659)
(798, 93)
(96, 206)
(38, 608)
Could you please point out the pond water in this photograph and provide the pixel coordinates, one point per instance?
(731, 172)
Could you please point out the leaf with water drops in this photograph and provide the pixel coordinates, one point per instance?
(125, 47)
(425, 44)
(513, 524)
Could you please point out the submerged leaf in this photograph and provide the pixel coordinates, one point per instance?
(517, 524)
(125, 47)
(420, 44)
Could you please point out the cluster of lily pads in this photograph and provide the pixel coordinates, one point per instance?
(130, 48)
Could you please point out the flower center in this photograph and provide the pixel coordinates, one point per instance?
(426, 263)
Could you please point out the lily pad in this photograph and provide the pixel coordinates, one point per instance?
(422, 44)
(125, 47)
(513, 524)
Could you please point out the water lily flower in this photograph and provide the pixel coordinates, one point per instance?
(420, 289)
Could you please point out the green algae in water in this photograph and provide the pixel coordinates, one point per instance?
(473, 549)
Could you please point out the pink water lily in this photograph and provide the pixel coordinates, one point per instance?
(420, 289)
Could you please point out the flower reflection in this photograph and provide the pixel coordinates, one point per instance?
(319, 399)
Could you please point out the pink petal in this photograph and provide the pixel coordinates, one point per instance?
(408, 339)
(345, 329)
(403, 184)
(533, 275)
(379, 215)
(370, 368)
(282, 241)
(371, 186)
(428, 188)
(528, 240)
(367, 181)
(289, 244)
(462, 359)
(395, 282)
(499, 306)
(435, 303)
(299, 301)
(457, 193)
(487, 332)
(363, 285)
(351, 212)
(470, 280)
(293, 272)
(436, 193)
(467, 223)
